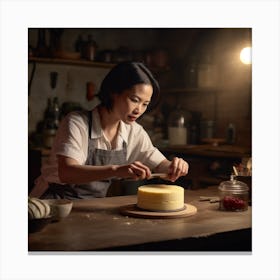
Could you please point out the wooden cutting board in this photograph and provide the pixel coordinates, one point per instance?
(133, 211)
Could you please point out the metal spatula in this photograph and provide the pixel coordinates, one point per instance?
(153, 176)
(159, 175)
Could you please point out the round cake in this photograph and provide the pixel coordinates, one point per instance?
(160, 198)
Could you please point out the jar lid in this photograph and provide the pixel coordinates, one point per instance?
(178, 117)
(233, 186)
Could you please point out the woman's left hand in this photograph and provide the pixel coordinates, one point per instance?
(177, 168)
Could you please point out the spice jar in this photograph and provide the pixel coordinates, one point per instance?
(234, 195)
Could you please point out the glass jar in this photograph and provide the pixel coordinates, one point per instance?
(177, 127)
(234, 195)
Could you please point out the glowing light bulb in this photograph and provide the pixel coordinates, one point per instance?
(246, 55)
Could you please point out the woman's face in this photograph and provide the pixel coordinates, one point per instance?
(132, 103)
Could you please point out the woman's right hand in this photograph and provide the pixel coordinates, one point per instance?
(71, 172)
(134, 171)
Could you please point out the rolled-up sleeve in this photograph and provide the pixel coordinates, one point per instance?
(71, 138)
(142, 149)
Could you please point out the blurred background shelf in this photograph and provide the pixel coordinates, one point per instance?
(188, 90)
(77, 62)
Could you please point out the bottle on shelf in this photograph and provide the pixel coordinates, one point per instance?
(53, 79)
(51, 120)
(90, 49)
(56, 112)
(79, 44)
(231, 134)
(194, 135)
(41, 48)
(48, 109)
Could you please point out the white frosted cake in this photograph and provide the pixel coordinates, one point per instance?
(160, 197)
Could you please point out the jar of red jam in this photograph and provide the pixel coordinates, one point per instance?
(234, 195)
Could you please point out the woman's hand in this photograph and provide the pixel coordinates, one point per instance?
(134, 171)
(177, 168)
(71, 172)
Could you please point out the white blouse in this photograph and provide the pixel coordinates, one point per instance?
(72, 141)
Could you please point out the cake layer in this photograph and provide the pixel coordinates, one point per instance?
(160, 197)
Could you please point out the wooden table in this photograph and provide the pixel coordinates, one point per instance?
(96, 224)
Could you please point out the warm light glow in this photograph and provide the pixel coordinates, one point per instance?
(246, 55)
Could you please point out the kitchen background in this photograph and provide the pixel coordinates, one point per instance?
(199, 71)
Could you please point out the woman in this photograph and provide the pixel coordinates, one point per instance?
(91, 148)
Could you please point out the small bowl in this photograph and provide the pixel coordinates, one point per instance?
(60, 208)
(35, 225)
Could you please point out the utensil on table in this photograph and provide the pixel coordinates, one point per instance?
(163, 176)
(243, 169)
(235, 170)
(249, 166)
(211, 199)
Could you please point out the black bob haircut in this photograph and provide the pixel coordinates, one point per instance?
(124, 76)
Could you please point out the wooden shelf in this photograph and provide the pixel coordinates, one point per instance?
(206, 150)
(87, 63)
(188, 90)
(74, 62)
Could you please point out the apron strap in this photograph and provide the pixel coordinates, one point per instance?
(89, 123)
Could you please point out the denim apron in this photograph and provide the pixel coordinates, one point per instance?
(97, 157)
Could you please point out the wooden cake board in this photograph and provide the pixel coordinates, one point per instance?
(133, 211)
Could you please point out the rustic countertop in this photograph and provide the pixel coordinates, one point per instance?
(96, 224)
(208, 150)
